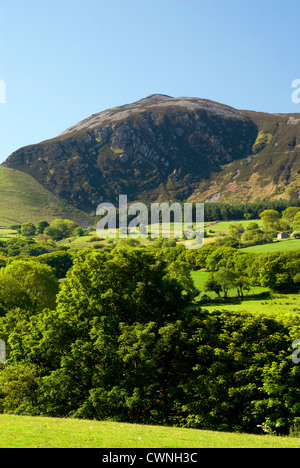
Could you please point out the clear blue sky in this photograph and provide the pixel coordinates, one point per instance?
(63, 60)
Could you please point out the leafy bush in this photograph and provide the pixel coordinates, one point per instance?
(61, 229)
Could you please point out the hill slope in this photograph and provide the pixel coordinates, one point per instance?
(164, 148)
(37, 432)
(270, 171)
(23, 199)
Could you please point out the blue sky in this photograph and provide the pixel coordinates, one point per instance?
(63, 60)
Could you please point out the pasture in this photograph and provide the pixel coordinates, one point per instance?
(40, 432)
(258, 300)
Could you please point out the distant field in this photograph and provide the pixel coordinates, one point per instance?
(34, 432)
(279, 246)
(201, 276)
(276, 246)
(23, 199)
(223, 226)
(276, 303)
(7, 234)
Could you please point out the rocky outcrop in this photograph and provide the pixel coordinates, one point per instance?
(159, 148)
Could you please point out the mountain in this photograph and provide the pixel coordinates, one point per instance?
(166, 149)
(270, 171)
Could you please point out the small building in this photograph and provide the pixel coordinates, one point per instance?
(283, 235)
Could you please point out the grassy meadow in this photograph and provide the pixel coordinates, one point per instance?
(223, 226)
(276, 246)
(7, 234)
(39, 432)
(255, 301)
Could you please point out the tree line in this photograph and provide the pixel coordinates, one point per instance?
(233, 212)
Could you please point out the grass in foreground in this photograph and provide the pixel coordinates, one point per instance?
(35, 432)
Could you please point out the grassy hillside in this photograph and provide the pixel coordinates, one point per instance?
(23, 199)
(280, 246)
(30, 432)
(270, 171)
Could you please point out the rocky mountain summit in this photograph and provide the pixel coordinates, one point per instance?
(166, 149)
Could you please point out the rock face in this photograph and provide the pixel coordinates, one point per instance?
(159, 148)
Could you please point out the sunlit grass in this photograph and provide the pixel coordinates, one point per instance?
(252, 302)
(35, 432)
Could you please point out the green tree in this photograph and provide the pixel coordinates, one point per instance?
(236, 231)
(59, 261)
(133, 278)
(211, 284)
(296, 222)
(219, 257)
(276, 274)
(281, 383)
(14, 247)
(256, 237)
(41, 226)
(221, 371)
(28, 283)
(102, 345)
(181, 272)
(78, 231)
(34, 250)
(18, 387)
(60, 229)
(252, 226)
(226, 278)
(290, 213)
(121, 344)
(231, 384)
(242, 284)
(12, 294)
(28, 229)
(270, 219)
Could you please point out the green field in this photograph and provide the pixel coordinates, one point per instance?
(276, 304)
(200, 276)
(35, 432)
(7, 234)
(278, 246)
(23, 199)
(273, 304)
(223, 226)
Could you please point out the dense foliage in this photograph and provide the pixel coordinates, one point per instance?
(123, 342)
(234, 212)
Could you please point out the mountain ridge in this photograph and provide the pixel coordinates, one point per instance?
(162, 148)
